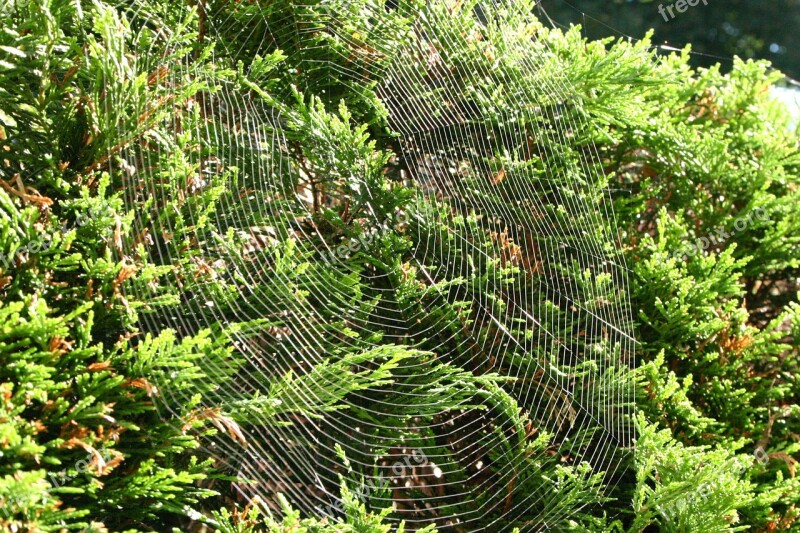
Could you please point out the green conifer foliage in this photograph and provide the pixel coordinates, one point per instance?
(193, 195)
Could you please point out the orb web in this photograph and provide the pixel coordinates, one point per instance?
(440, 317)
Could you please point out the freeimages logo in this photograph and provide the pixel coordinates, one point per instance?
(681, 6)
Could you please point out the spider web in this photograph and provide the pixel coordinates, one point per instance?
(509, 284)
